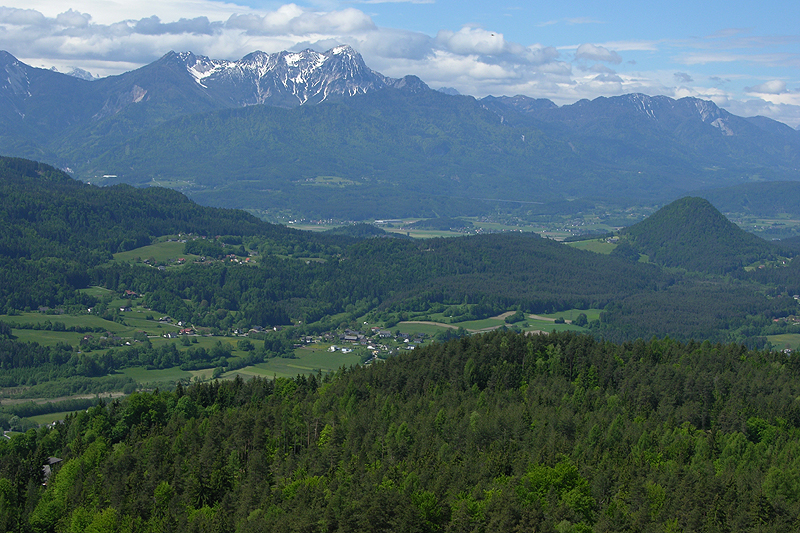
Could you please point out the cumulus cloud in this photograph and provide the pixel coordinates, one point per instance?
(73, 19)
(471, 40)
(592, 52)
(293, 20)
(682, 77)
(21, 17)
(154, 26)
(768, 87)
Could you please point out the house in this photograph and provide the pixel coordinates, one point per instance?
(47, 468)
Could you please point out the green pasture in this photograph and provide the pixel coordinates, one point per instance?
(68, 320)
(97, 292)
(594, 245)
(785, 341)
(50, 417)
(426, 328)
(308, 360)
(48, 338)
(572, 314)
(161, 252)
(548, 326)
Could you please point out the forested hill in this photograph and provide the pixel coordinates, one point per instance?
(53, 229)
(499, 432)
(691, 233)
(55, 208)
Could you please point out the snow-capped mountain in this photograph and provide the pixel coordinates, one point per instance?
(285, 79)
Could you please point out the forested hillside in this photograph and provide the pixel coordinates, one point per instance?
(498, 432)
(55, 228)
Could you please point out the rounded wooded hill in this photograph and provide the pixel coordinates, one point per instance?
(691, 233)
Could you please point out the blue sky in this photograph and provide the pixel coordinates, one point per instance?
(746, 59)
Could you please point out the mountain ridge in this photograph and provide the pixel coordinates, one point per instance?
(642, 147)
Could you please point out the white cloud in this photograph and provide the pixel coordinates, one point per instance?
(593, 52)
(294, 20)
(73, 19)
(21, 17)
(768, 87)
(471, 40)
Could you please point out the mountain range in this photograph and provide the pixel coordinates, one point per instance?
(321, 134)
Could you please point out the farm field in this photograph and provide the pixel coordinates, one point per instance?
(161, 252)
(308, 359)
(594, 245)
(439, 323)
(785, 341)
(572, 314)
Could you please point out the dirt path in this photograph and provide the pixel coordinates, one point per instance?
(442, 324)
(104, 395)
(539, 317)
(451, 326)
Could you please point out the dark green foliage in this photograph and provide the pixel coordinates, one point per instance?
(519, 316)
(494, 432)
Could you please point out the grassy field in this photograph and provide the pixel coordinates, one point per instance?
(50, 417)
(162, 252)
(572, 314)
(309, 359)
(411, 328)
(600, 247)
(784, 341)
(476, 326)
(548, 326)
(97, 292)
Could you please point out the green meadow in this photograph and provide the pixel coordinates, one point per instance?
(161, 252)
(308, 359)
(594, 245)
(785, 341)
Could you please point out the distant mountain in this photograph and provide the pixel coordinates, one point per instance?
(262, 133)
(690, 233)
(78, 73)
(688, 135)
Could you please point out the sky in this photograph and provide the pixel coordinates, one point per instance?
(745, 57)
